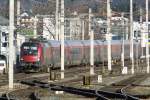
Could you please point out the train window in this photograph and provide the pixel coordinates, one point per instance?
(4, 44)
(3, 34)
(30, 50)
(137, 34)
(33, 48)
(25, 47)
(6, 38)
(75, 51)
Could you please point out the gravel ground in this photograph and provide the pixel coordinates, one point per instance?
(17, 86)
(143, 90)
(25, 94)
(111, 80)
(146, 82)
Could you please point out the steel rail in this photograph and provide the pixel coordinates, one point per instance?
(128, 97)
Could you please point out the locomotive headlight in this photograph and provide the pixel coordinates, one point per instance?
(21, 59)
(38, 59)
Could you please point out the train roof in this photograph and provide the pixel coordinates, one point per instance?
(29, 43)
(87, 42)
(56, 43)
(74, 43)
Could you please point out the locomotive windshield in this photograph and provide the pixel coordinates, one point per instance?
(29, 49)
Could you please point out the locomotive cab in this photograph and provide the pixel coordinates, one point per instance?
(30, 55)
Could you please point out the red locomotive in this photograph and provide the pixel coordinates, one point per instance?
(39, 55)
(31, 54)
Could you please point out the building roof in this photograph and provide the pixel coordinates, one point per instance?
(26, 14)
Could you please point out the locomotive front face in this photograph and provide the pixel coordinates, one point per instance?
(30, 54)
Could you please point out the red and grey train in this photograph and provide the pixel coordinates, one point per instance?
(37, 55)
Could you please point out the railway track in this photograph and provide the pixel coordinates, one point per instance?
(135, 82)
(136, 79)
(70, 72)
(124, 86)
(76, 73)
(80, 70)
(98, 94)
(7, 97)
(17, 77)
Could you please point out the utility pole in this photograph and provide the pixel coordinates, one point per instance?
(147, 36)
(92, 52)
(62, 39)
(11, 43)
(142, 40)
(109, 35)
(122, 55)
(75, 29)
(35, 26)
(83, 27)
(90, 11)
(59, 26)
(56, 19)
(18, 22)
(131, 36)
(18, 12)
(70, 27)
(91, 34)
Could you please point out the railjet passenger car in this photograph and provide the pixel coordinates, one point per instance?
(42, 54)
